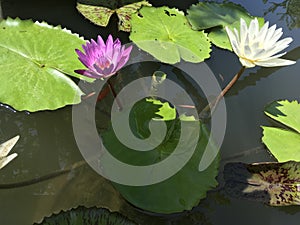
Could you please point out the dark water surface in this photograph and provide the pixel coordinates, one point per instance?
(47, 142)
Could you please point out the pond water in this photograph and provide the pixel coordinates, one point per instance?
(47, 142)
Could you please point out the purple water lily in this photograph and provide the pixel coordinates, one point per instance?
(103, 59)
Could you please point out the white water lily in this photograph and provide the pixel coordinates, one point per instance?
(259, 47)
(5, 148)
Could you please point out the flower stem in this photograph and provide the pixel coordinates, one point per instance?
(114, 94)
(212, 105)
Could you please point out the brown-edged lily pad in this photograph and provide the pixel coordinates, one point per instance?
(100, 15)
(82, 215)
(276, 184)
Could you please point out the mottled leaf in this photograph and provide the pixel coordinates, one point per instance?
(276, 184)
(283, 142)
(85, 216)
(34, 61)
(216, 16)
(124, 14)
(100, 15)
(96, 14)
(166, 34)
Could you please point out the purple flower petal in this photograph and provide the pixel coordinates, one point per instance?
(103, 59)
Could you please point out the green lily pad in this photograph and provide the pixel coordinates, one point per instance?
(100, 15)
(216, 16)
(82, 215)
(166, 34)
(184, 189)
(34, 60)
(283, 143)
(276, 184)
(165, 112)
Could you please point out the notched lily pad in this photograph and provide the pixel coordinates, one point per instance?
(188, 186)
(166, 34)
(100, 15)
(276, 184)
(34, 61)
(216, 16)
(82, 215)
(283, 142)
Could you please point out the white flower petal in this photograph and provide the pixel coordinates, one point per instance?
(274, 56)
(235, 48)
(279, 46)
(237, 36)
(7, 146)
(253, 29)
(233, 41)
(246, 63)
(275, 62)
(263, 32)
(270, 33)
(256, 46)
(243, 31)
(277, 34)
(4, 161)
(259, 53)
(247, 51)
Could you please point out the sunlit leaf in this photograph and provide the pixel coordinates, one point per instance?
(85, 216)
(276, 184)
(188, 186)
(284, 142)
(166, 34)
(100, 15)
(216, 16)
(286, 113)
(34, 61)
(166, 112)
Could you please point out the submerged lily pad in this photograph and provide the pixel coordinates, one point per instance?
(184, 189)
(100, 15)
(275, 184)
(216, 16)
(166, 34)
(34, 61)
(85, 216)
(283, 143)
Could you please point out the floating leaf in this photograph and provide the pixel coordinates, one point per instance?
(188, 186)
(166, 34)
(85, 216)
(100, 15)
(96, 14)
(165, 112)
(284, 144)
(216, 16)
(276, 184)
(34, 61)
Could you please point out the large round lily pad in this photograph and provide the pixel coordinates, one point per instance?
(180, 192)
(166, 34)
(35, 59)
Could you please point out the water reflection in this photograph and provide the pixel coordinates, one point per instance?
(288, 10)
(263, 72)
